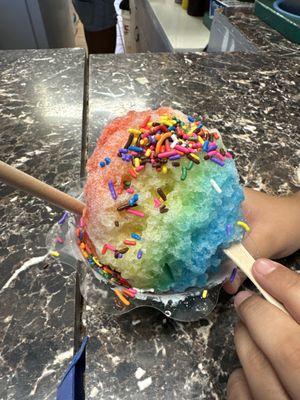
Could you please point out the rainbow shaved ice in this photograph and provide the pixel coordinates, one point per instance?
(163, 199)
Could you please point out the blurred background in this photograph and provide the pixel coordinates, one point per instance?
(142, 25)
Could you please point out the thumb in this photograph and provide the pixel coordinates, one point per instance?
(280, 282)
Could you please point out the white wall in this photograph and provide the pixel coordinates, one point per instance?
(35, 24)
(15, 27)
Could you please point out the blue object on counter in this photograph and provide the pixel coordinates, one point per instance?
(71, 386)
(283, 7)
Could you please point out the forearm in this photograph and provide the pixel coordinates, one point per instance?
(290, 223)
(275, 223)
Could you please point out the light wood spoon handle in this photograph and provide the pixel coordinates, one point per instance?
(20, 180)
(240, 256)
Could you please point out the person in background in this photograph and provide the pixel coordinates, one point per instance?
(267, 340)
(99, 19)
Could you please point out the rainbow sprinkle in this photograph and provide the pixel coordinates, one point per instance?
(122, 297)
(136, 236)
(135, 212)
(139, 254)
(228, 229)
(233, 275)
(215, 186)
(63, 218)
(112, 190)
(243, 225)
(59, 240)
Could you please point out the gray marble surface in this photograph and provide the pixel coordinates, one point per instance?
(41, 104)
(264, 37)
(254, 100)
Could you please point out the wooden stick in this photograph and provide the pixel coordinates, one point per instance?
(240, 256)
(18, 179)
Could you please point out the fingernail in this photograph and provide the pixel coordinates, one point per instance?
(241, 296)
(264, 266)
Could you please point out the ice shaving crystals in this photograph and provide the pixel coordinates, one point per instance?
(167, 202)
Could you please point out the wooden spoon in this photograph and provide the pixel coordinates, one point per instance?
(20, 180)
(240, 256)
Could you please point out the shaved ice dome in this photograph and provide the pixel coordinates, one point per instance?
(181, 238)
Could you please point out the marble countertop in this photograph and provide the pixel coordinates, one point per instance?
(41, 104)
(254, 100)
(264, 37)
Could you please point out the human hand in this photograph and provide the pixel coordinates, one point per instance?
(267, 340)
(275, 228)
